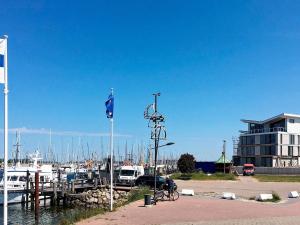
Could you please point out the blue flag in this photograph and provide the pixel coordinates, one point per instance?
(1, 60)
(110, 106)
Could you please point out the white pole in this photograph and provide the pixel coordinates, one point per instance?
(111, 163)
(111, 159)
(5, 135)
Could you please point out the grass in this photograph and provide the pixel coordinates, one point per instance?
(276, 198)
(277, 178)
(203, 176)
(137, 194)
(75, 215)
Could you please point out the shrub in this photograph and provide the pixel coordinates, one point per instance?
(186, 163)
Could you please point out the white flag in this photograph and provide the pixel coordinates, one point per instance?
(3, 48)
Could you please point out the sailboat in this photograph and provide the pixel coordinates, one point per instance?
(17, 176)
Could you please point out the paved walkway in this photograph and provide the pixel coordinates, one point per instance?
(192, 210)
(199, 210)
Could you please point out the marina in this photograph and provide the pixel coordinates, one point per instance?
(149, 112)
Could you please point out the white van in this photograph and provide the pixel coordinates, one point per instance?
(129, 174)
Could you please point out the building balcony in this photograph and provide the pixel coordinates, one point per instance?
(264, 130)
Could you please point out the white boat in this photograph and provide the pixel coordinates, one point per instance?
(17, 179)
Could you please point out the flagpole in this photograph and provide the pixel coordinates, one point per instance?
(111, 159)
(5, 134)
(111, 163)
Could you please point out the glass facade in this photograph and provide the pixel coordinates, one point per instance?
(247, 140)
(268, 150)
(266, 161)
(268, 138)
(290, 151)
(292, 139)
(248, 151)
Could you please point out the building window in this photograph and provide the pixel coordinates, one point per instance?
(292, 139)
(298, 139)
(281, 138)
(281, 150)
(291, 120)
(290, 151)
(268, 150)
(267, 139)
(298, 150)
(266, 161)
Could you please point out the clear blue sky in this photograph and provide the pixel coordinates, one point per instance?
(214, 62)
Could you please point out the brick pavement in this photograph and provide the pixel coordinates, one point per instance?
(193, 210)
(293, 220)
(200, 210)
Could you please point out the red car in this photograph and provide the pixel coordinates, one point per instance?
(248, 169)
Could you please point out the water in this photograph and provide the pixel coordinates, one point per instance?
(20, 215)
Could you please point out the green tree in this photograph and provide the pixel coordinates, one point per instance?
(186, 163)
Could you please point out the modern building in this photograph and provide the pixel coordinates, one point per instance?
(274, 142)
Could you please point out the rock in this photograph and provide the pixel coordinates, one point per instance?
(228, 195)
(187, 192)
(264, 197)
(293, 194)
(116, 196)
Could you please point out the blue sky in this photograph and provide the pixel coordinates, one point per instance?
(214, 62)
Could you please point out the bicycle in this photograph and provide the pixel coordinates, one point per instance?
(163, 195)
(171, 195)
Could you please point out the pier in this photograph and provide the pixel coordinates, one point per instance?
(59, 191)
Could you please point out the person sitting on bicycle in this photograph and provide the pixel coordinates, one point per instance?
(170, 185)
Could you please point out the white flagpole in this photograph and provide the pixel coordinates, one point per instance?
(111, 163)
(111, 160)
(5, 134)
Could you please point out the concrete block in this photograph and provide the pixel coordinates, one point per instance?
(189, 192)
(228, 195)
(264, 197)
(293, 194)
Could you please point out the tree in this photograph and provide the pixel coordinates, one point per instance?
(186, 163)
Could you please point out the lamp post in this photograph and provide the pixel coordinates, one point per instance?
(156, 139)
(224, 155)
(158, 132)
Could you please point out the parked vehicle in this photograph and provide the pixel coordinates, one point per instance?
(248, 169)
(148, 180)
(129, 174)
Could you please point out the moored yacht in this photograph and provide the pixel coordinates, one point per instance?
(17, 178)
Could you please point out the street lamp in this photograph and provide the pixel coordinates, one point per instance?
(169, 143)
(156, 122)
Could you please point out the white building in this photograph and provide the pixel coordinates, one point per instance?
(273, 142)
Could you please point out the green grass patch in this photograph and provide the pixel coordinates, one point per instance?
(276, 197)
(75, 215)
(203, 176)
(138, 194)
(277, 178)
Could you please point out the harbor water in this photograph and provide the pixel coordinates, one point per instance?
(18, 214)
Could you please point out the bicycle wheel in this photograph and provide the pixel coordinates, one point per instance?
(166, 195)
(175, 195)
